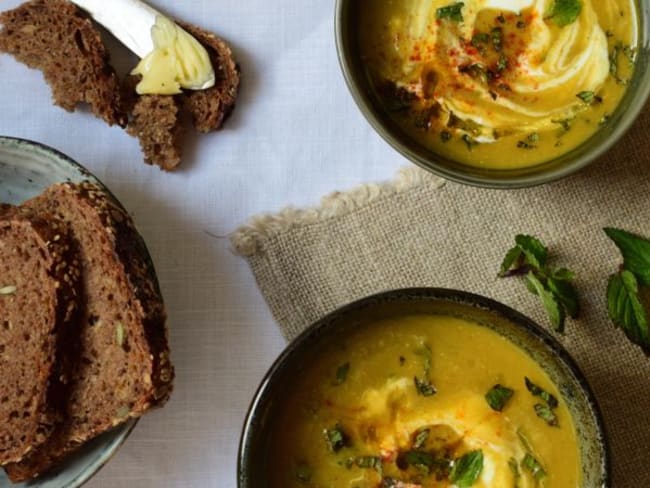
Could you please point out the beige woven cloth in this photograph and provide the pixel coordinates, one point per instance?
(420, 231)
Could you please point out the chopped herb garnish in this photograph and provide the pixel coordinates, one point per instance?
(521, 24)
(545, 413)
(452, 12)
(535, 390)
(466, 470)
(566, 12)
(303, 473)
(514, 467)
(336, 438)
(424, 387)
(417, 458)
(369, 462)
(476, 71)
(530, 143)
(342, 373)
(497, 38)
(501, 19)
(420, 437)
(534, 467)
(445, 135)
(498, 397)
(604, 119)
(617, 50)
(469, 142)
(589, 97)
(624, 289)
(480, 38)
(553, 286)
(402, 360)
(502, 64)
(564, 123)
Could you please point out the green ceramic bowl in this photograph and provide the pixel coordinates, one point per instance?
(347, 20)
(26, 169)
(520, 330)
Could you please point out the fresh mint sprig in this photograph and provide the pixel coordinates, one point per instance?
(625, 288)
(529, 257)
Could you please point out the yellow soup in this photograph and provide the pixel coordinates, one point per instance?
(499, 83)
(424, 401)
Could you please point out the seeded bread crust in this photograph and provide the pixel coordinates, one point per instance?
(124, 368)
(39, 309)
(211, 108)
(57, 38)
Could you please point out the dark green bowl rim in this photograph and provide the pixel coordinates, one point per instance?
(622, 119)
(313, 332)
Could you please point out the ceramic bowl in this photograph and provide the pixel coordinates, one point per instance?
(517, 328)
(26, 169)
(355, 73)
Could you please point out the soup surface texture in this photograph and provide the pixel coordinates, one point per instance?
(499, 83)
(422, 401)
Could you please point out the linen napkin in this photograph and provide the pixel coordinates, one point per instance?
(419, 230)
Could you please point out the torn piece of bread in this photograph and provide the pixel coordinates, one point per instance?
(40, 278)
(156, 119)
(124, 368)
(57, 38)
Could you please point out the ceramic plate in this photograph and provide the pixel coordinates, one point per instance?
(26, 169)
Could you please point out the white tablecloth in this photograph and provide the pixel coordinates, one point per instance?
(296, 134)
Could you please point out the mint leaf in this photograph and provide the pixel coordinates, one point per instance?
(626, 310)
(555, 312)
(636, 253)
(424, 387)
(535, 390)
(342, 373)
(336, 438)
(566, 12)
(498, 397)
(420, 437)
(566, 294)
(545, 413)
(513, 258)
(452, 12)
(534, 467)
(563, 274)
(467, 470)
(534, 251)
(369, 462)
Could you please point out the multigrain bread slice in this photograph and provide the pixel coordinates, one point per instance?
(57, 38)
(40, 278)
(124, 368)
(156, 119)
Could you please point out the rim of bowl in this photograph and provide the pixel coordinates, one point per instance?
(122, 432)
(311, 333)
(500, 179)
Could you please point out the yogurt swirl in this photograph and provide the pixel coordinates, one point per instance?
(506, 67)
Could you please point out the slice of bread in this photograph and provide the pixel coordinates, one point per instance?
(57, 38)
(39, 303)
(124, 368)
